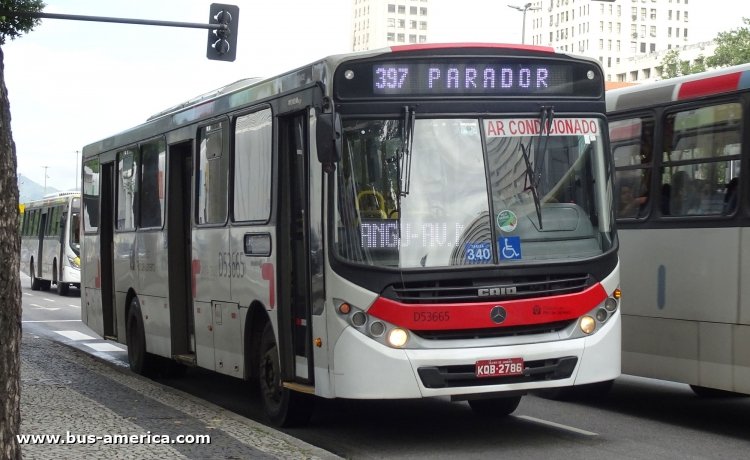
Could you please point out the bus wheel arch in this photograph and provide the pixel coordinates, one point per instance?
(256, 319)
(282, 406)
(141, 362)
(35, 282)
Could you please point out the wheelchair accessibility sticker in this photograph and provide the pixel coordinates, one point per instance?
(509, 247)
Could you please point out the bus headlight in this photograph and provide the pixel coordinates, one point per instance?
(587, 324)
(74, 261)
(397, 337)
(381, 331)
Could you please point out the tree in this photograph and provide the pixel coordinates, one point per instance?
(672, 66)
(732, 47)
(10, 285)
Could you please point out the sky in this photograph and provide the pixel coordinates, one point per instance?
(71, 83)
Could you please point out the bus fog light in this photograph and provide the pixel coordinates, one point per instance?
(377, 328)
(397, 337)
(601, 315)
(588, 324)
(359, 318)
(610, 304)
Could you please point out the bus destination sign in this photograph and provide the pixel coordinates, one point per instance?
(456, 78)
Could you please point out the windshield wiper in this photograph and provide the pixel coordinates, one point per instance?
(407, 140)
(532, 184)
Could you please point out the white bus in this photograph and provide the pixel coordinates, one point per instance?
(50, 241)
(416, 221)
(678, 147)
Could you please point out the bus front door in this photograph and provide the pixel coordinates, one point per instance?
(293, 257)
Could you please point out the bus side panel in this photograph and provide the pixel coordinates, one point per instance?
(252, 283)
(744, 316)
(50, 254)
(677, 326)
(151, 266)
(676, 285)
(91, 293)
(741, 344)
(125, 278)
(211, 274)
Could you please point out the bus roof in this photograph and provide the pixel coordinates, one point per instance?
(694, 86)
(251, 90)
(52, 199)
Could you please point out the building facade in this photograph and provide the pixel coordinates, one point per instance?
(381, 23)
(610, 32)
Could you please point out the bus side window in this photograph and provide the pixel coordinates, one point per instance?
(152, 183)
(213, 176)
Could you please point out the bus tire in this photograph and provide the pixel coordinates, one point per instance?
(141, 362)
(62, 288)
(35, 282)
(495, 407)
(282, 406)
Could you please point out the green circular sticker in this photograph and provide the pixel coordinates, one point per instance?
(506, 220)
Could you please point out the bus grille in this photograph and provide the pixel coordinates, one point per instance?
(456, 291)
(510, 331)
(463, 375)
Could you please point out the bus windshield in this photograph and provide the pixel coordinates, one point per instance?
(472, 191)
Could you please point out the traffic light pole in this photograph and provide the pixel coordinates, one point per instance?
(222, 39)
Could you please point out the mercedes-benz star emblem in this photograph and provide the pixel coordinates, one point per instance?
(498, 314)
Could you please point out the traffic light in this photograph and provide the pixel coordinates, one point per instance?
(222, 42)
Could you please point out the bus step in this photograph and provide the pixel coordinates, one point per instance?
(309, 389)
(188, 358)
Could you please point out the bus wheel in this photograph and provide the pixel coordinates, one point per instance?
(495, 407)
(282, 406)
(35, 282)
(62, 288)
(140, 361)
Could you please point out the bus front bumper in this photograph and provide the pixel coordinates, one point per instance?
(365, 369)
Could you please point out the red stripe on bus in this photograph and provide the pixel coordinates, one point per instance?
(436, 46)
(707, 86)
(458, 316)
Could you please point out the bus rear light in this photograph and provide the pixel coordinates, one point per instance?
(587, 324)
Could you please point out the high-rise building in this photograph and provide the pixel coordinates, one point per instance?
(609, 31)
(381, 23)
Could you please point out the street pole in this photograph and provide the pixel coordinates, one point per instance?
(524, 9)
(76, 169)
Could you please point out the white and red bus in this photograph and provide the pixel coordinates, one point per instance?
(50, 241)
(679, 147)
(410, 222)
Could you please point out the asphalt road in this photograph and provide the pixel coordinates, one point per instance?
(639, 418)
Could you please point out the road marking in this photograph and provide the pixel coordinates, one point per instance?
(53, 321)
(75, 335)
(74, 306)
(48, 300)
(103, 346)
(557, 425)
(44, 308)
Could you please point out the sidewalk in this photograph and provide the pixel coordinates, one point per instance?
(67, 393)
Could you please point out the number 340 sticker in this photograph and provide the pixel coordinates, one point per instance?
(478, 253)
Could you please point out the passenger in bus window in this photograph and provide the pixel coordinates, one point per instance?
(730, 197)
(630, 205)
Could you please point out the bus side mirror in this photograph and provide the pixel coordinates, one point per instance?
(328, 139)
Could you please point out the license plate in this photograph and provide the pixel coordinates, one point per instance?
(499, 367)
